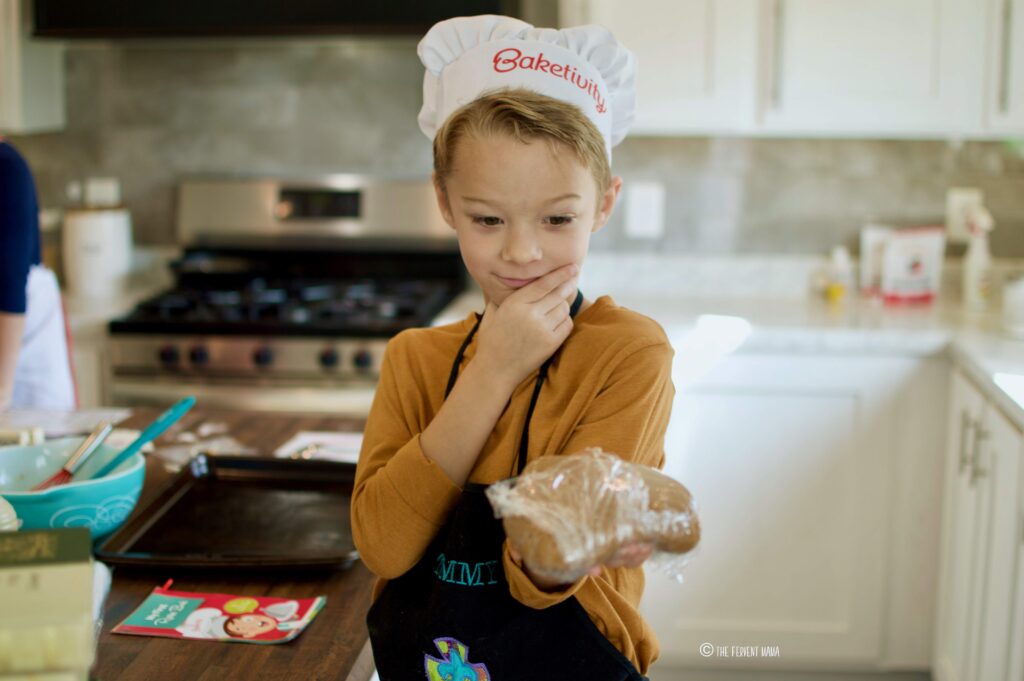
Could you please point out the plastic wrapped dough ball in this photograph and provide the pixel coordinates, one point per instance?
(566, 514)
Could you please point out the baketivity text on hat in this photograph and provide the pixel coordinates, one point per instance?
(512, 58)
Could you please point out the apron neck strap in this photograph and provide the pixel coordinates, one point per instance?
(453, 375)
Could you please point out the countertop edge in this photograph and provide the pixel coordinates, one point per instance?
(964, 349)
(938, 338)
(969, 363)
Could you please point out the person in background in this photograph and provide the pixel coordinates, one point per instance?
(523, 121)
(35, 371)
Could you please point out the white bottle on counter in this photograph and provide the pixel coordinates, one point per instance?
(977, 272)
(840, 274)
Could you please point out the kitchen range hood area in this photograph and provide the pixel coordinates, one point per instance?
(111, 19)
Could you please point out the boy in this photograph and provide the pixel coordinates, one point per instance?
(522, 175)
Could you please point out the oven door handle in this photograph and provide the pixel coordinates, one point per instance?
(350, 401)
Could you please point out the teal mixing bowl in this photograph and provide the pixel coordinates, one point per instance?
(102, 505)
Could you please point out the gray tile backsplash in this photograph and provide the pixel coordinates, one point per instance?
(152, 113)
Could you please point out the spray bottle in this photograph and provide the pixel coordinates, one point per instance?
(977, 274)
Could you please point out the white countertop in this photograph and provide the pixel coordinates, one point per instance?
(973, 341)
(781, 317)
(88, 317)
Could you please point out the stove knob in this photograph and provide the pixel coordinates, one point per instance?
(199, 355)
(169, 355)
(263, 357)
(329, 358)
(362, 360)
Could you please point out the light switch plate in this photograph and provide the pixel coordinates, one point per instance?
(959, 200)
(645, 209)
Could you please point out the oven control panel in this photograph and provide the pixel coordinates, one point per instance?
(347, 358)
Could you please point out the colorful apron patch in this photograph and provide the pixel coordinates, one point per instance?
(454, 664)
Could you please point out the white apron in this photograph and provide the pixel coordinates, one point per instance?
(42, 379)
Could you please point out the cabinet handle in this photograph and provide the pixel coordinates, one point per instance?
(977, 472)
(775, 74)
(1004, 57)
(965, 425)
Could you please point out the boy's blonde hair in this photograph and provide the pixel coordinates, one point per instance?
(525, 115)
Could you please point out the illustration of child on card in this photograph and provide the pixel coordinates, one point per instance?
(220, 617)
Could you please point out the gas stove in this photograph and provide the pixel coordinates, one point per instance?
(300, 305)
(323, 307)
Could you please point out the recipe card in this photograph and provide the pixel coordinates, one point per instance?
(220, 617)
(323, 445)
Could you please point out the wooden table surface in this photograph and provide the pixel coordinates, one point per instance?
(334, 646)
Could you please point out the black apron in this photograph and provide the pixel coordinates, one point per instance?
(451, 617)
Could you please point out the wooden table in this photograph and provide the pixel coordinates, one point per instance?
(335, 646)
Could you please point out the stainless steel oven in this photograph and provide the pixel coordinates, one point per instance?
(287, 293)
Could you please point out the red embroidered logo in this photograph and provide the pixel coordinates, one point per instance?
(512, 58)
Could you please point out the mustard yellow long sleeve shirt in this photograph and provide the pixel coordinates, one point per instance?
(609, 386)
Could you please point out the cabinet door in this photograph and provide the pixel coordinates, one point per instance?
(696, 59)
(791, 463)
(871, 66)
(1015, 662)
(1004, 68)
(995, 472)
(960, 545)
(31, 74)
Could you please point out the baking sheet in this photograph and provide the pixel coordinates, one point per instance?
(243, 513)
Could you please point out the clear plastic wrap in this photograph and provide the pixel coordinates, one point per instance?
(566, 514)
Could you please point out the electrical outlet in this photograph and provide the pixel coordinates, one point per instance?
(959, 201)
(73, 191)
(645, 209)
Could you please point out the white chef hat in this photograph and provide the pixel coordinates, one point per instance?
(583, 65)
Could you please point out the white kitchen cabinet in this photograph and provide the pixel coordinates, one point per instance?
(953, 630)
(697, 59)
(1015, 660)
(912, 68)
(996, 471)
(31, 74)
(978, 633)
(1004, 66)
(871, 66)
(812, 477)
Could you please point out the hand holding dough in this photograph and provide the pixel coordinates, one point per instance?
(566, 514)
